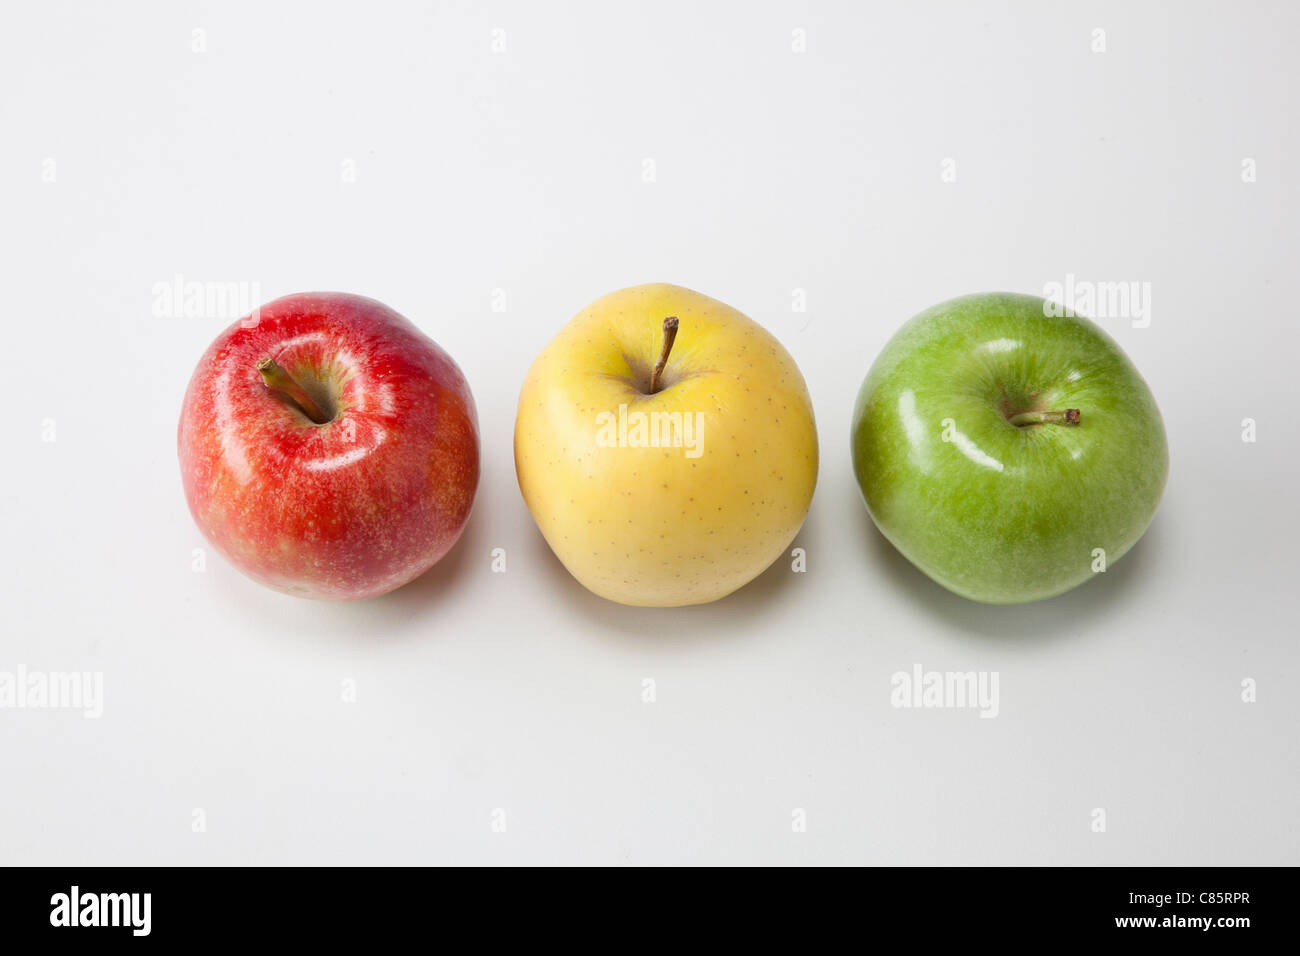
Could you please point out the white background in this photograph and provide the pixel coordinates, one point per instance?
(522, 171)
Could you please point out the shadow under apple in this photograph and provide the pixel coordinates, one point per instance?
(389, 618)
(1069, 614)
(733, 616)
(433, 586)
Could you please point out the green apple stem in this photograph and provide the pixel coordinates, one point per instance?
(277, 379)
(1068, 417)
(670, 335)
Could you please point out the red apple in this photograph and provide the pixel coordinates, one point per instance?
(328, 448)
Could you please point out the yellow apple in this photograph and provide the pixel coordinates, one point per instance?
(666, 447)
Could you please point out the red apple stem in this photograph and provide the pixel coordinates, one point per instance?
(670, 336)
(277, 379)
(1069, 416)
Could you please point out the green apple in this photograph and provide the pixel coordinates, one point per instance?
(665, 446)
(1007, 452)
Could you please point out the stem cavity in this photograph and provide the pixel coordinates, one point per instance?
(278, 380)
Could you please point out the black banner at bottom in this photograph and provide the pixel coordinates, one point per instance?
(212, 906)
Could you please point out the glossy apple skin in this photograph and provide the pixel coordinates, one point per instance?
(999, 513)
(346, 510)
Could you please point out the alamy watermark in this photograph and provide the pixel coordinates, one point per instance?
(182, 298)
(627, 429)
(22, 689)
(127, 910)
(970, 690)
(1099, 300)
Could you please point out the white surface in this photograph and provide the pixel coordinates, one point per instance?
(522, 171)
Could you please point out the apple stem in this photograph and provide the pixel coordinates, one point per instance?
(277, 379)
(1068, 417)
(670, 335)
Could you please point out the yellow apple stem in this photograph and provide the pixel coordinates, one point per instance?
(277, 379)
(1068, 417)
(670, 335)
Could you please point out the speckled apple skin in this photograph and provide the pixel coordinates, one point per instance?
(649, 526)
(998, 513)
(346, 510)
